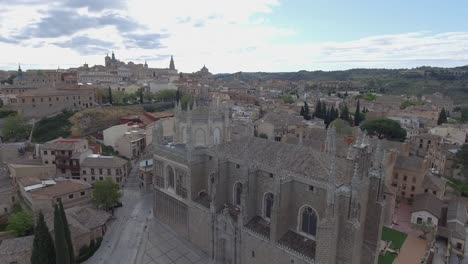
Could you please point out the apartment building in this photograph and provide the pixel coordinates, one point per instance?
(412, 176)
(39, 103)
(132, 144)
(67, 155)
(97, 168)
(41, 195)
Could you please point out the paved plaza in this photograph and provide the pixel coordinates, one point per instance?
(160, 245)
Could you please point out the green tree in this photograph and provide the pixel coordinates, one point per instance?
(186, 101)
(357, 114)
(464, 113)
(15, 128)
(287, 99)
(428, 230)
(177, 95)
(141, 95)
(442, 117)
(166, 95)
(345, 113)
(327, 119)
(333, 114)
(342, 127)
(21, 223)
(318, 109)
(385, 128)
(43, 251)
(306, 111)
(323, 110)
(62, 254)
(106, 194)
(67, 233)
(110, 95)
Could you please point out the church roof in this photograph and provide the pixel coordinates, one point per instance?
(299, 160)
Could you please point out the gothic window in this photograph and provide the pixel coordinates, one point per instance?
(308, 221)
(184, 135)
(237, 193)
(216, 136)
(170, 177)
(268, 204)
(200, 138)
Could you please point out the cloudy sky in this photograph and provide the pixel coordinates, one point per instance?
(235, 35)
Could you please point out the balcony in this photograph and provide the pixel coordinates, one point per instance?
(298, 244)
(259, 226)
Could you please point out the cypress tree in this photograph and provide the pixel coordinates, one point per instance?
(302, 111)
(442, 117)
(177, 94)
(332, 114)
(327, 118)
(345, 113)
(318, 109)
(110, 95)
(323, 111)
(357, 115)
(306, 111)
(43, 246)
(67, 233)
(61, 248)
(141, 95)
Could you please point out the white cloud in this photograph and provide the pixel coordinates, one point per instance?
(227, 36)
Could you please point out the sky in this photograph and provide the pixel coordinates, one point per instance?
(235, 35)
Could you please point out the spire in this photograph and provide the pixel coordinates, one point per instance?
(113, 56)
(330, 150)
(330, 142)
(378, 158)
(20, 72)
(171, 64)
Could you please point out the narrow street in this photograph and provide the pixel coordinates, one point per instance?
(122, 240)
(135, 237)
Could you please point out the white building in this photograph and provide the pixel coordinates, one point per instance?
(427, 208)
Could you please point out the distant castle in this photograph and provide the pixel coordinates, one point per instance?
(115, 71)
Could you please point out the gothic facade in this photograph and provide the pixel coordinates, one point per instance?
(258, 201)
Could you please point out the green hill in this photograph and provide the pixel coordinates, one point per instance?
(423, 80)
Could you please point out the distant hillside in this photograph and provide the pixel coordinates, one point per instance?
(418, 81)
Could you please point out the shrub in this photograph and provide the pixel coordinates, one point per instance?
(54, 127)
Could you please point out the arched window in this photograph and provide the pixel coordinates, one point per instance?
(267, 205)
(308, 221)
(237, 193)
(216, 136)
(170, 177)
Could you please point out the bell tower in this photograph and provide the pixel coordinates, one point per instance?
(171, 64)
